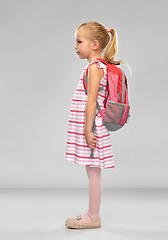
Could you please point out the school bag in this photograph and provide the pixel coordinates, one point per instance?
(116, 109)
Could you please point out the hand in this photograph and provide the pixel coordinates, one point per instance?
(90, 140)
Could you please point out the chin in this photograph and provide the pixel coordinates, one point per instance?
(81, 57)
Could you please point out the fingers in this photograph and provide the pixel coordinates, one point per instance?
(92, 147)
(92, 143)
(91, 140)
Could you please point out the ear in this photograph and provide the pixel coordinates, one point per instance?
(95, 45)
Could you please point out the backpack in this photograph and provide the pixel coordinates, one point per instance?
(116, 111)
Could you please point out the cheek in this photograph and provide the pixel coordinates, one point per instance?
(88, 48)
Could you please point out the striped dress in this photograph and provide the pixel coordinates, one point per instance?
(77, 149)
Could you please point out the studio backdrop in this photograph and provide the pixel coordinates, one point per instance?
(39, 72)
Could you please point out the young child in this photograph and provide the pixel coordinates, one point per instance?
(91, 39)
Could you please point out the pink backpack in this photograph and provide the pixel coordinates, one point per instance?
(116, 111)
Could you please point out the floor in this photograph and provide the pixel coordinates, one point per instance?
(126, 214)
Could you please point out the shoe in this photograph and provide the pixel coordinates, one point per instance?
(78, 223)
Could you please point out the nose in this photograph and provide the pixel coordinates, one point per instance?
(75, 47)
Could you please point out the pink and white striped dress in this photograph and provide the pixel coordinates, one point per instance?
(77, 149)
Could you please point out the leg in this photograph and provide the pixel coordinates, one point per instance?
(95, 192)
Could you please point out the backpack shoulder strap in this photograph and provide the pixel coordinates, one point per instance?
(114, 62)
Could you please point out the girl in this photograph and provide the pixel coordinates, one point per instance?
(91, 39)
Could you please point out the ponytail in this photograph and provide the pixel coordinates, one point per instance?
(111, 50)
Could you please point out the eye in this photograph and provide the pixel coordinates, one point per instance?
(79, 41)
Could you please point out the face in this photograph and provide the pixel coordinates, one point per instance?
(83, 45)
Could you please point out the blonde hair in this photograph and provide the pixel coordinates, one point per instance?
(97, 31)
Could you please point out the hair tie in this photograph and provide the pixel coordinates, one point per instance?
(108, 30)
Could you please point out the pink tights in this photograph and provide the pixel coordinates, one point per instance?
(95, 192)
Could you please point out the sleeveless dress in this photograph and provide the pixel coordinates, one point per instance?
(77, 148)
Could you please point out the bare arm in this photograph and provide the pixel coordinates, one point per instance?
(94, 77)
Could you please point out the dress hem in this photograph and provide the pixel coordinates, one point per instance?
(92, 165)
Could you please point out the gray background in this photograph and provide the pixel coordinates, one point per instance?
(39, 72)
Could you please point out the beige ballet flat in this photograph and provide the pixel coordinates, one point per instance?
(78, 223)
